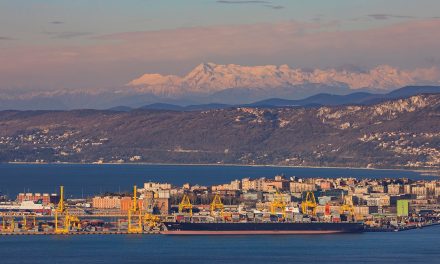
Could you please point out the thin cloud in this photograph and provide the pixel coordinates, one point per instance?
(387, 16)
(268, 4)
(432, 60)
(67, 34)
(303, 43)
(5, 38)
(275, 6)
(242, 2)
(56, 22)
(117, 58)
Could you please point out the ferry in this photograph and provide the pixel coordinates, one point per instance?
(26, 206)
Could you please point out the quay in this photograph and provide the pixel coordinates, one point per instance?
(77, 233)
(251, 206)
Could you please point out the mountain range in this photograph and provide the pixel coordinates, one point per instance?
(322, 99)
(211, 77)
(224, 84)
(398, 133)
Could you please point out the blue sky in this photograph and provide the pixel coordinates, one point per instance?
(101, 38)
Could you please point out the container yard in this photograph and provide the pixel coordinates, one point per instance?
(250, 206)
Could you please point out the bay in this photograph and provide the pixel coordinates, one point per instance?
(82, 180)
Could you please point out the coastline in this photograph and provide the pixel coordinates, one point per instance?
(422, 171)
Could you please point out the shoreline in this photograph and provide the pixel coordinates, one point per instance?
(422, 172)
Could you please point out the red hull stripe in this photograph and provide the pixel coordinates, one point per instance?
(250, 232)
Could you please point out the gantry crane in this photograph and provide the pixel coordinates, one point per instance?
(309, 205)
(24, 223)
(151, 220)
(217, 205)
(59, 212)
(185, 204)
(62, 213)
(8, 226)
(135, 215)
(278, 203)
(347, 206)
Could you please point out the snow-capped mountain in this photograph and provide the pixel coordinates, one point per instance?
(223, 84)
(208, 78)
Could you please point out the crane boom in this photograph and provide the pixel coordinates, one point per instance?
(217, 205)
(135, 215)
(278, 203)
(185, 204)
(309, 205)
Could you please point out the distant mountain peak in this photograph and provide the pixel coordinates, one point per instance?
(208, 78)
(234, 85)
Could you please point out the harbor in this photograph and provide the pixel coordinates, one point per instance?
(262, 206)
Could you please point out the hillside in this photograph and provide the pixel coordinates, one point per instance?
(358, 98)
(392, 134)
(322, 99)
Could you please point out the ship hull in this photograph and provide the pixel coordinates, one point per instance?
(260, 228)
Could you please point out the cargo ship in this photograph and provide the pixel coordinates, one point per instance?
(265, 228)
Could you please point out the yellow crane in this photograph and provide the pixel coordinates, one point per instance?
(185, 204)
(61, 212)
(68, 220)
(135, 215)
(217, 205)
(24, 223)
(8, 226)
(73, 221)
(347, 206)
(309, 205)
(278, 203)
(151, 220)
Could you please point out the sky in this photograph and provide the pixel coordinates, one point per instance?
(99, 44)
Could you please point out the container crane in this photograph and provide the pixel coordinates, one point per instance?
(217, 205)
(59, 212)
(68, 220)
(185, 204)
(347, 206)
(134, 215)
(309, 205)
(25, 221)
(8, 226)
(278, 203)
(151, 220)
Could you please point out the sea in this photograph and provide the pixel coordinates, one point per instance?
(413, 246)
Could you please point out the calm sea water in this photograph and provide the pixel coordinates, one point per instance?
(86, 180)
(415, 246)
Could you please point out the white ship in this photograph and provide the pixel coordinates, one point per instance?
(25, 206)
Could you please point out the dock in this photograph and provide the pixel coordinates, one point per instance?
(78, 233)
